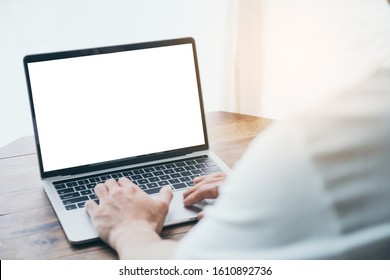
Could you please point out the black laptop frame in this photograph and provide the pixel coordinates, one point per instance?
(126, 161)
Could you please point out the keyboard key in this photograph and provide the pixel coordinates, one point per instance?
(210, 169)
(81, 204)
(64, 191)
(75, 200)
(160, 167)
(180, 164)
(163, 183)
(147, 175)
(196, 172)
(179, 169)
(71, 207)
(138, 171)
(143, 187)
(86, 192)
(190, 167)
(170, 165)
(152, 191)
(165, 177)
(152, 185)
(174, 181)
(128, 173)
(190, 162)
(91, 186)
(92, 196)
(179, 186)
(71, 184)
(190, 183)
(169, 171)
(149, 169)
(60, 186)
(82, 182)
(209, 163)
(154, 179)
(80, 188)
(185, 179)
(94, 180)
(175, 175)
(116, 176)
(69, 195)
(158, 173)
(186, 173)
(135, 177)
(142, 181)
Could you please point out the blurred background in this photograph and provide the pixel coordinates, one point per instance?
(267, 58)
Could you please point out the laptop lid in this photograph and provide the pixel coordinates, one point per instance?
(106, 107)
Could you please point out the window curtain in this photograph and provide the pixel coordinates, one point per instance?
(248, 66)
(290, 54)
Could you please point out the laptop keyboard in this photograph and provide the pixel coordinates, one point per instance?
(179, 174)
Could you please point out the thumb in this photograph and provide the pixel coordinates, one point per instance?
(90, 206)
(165, 195)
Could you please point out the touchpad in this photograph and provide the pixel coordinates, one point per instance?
(180, 214)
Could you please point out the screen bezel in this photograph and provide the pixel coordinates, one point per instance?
(125, 161)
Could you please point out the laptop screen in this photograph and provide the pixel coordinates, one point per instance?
(107, 106)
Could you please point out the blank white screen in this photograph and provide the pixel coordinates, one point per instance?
(110, 106)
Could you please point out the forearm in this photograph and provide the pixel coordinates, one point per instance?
(139, 241)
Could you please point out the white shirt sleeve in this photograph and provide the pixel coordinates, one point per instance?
(312, 187)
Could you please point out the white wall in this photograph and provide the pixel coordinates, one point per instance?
(35, 26)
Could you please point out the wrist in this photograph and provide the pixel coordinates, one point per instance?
(132, 235)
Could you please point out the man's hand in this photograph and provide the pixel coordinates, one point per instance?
(205, 187)
(125, 209)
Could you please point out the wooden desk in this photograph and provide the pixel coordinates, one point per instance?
(29, 228)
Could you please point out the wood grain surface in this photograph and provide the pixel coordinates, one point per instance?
(29, 228)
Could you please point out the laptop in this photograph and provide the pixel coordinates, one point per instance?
(132, 111)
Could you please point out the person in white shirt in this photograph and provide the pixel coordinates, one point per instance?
(316, 186)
